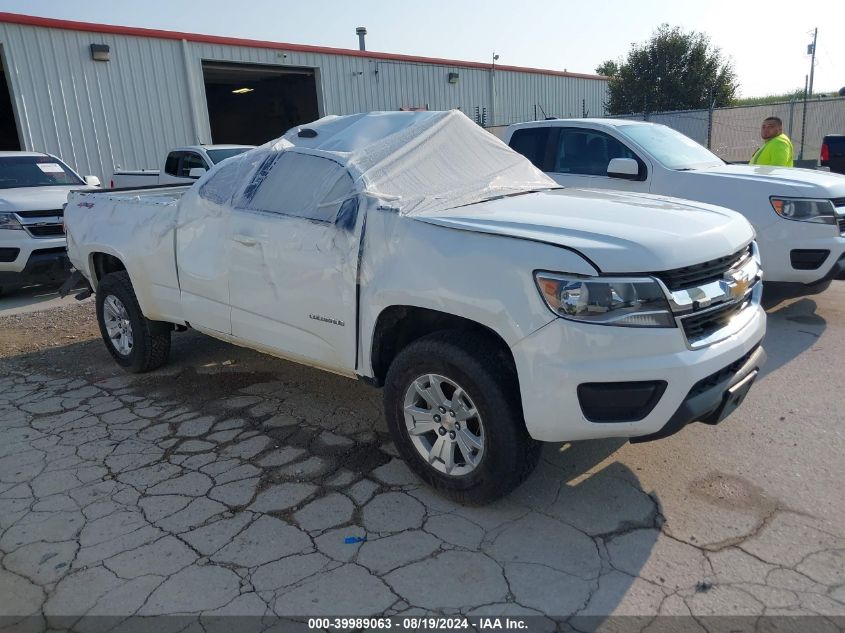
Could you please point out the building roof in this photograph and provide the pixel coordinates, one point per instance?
(91, 27)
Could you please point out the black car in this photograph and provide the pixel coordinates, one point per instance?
(833, 153)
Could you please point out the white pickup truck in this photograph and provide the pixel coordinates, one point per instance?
(418, 252)
(798, 214)
(33, 192)
(183, 165)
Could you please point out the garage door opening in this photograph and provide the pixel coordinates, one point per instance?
(9, 140)
(253, 104)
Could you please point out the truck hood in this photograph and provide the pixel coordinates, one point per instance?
(808, 183)
(36, 198)
(618, 232)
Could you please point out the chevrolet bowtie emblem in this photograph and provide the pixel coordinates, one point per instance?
(735, 287)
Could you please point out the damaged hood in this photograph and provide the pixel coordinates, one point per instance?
(618, 232)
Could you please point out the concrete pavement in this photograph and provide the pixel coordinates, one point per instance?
(229, 482)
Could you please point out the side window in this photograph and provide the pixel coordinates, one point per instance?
(189, 161)
(532, 142)
(221, 185)
(587, 152)
(171, 165)
(298, 185)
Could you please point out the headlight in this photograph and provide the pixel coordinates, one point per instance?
(621, 302)
(9, 221)
(804, 209)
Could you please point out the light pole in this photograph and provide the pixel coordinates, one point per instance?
(493, 90)
(808, 89)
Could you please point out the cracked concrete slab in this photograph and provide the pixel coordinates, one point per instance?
(261, 487)
(337, 591)
(392, 512)
(266, 540)
(192, 590)
(325, 512)
(386, 554)
(463, 578)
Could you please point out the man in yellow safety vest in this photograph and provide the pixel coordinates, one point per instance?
(777, 150)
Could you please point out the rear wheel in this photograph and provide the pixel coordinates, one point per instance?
(135, 342)
(453, 409)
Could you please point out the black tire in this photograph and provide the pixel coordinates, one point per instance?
(474, 362)
(151, 339)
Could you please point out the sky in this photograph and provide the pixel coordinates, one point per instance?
(766, 41)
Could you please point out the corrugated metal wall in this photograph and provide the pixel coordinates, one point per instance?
(96, 115)
(150, 97)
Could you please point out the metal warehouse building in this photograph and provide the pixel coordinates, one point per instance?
(102, 96)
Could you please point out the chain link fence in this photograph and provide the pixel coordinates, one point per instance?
(733, 133)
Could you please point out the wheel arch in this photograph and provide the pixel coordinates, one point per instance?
(102, 263)
(399, 325)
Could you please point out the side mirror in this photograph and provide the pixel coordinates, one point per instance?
(92, 181)
(196, 172)
(347, 214)
(626, 168)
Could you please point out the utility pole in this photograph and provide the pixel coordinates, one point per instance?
(803, 120)
(811, 50)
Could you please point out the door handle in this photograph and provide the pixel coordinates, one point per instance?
(246, 241)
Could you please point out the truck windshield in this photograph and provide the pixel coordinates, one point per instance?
(35, 171)
(216, 155)
(670, 147)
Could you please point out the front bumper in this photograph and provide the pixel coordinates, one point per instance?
(713, 398)
(784, 242)
(45, 261)
(553, 361)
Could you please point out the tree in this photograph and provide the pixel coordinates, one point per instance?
(609, 68)
(674, 70)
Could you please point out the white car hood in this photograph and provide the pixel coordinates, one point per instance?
(809, 183)
(36, 198)
(618, 232)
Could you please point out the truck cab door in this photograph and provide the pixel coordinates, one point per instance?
(294, 261)
(170, 174)
(203, 252)
(177, 167)
(580, 157)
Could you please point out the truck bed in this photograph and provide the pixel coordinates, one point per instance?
(137, 228)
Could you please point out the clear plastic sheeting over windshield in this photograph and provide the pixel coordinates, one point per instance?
(35, 171)
(412, 162)
(670, 147)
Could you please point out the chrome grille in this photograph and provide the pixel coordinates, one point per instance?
(50, 213)
(42, 224)
(701, 325)
(718, 308)
(700, 274)
(839, 203)
(49, 230)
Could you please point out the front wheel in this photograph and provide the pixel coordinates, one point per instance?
(453, 410)
(135, 342)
